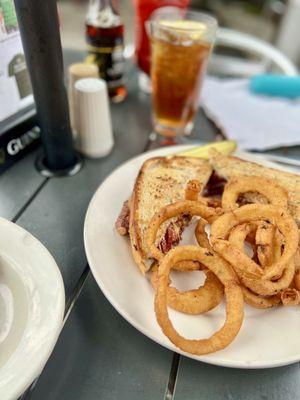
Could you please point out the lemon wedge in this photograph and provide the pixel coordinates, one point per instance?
(183, 24)
(224, 147)
(193, 30)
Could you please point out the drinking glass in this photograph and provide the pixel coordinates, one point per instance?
(181, 43)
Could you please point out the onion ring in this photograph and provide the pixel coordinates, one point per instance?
(263, 287)
(257, 301)
(185, 207)
(197, 301)
(282, 282)
(253, 212)
(233, 293)
(237, 237)
(275, 194)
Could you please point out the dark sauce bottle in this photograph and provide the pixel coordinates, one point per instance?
(105, 41)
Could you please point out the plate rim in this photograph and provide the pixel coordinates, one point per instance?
(24, 377)
(123, 312)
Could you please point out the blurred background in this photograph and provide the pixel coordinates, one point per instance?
(276, 21)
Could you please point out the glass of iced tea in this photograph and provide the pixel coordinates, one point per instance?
(181, 43)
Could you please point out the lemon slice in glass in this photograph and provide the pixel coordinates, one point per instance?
(192, 29)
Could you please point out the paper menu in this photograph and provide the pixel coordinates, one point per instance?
(15, 88)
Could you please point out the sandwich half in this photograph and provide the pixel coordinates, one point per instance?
(161, 181)
(227, 167)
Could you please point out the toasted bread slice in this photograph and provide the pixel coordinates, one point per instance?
(161, 181)
(229, 166)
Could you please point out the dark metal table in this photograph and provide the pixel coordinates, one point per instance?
(98, 354)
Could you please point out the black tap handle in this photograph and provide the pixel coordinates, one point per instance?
(39, 28)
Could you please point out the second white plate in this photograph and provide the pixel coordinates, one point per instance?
(32, 301)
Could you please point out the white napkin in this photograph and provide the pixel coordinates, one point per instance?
(254, 121)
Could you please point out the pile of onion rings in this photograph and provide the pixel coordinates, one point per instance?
(251, 255)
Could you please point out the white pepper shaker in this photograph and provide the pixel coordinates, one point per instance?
(94, 136)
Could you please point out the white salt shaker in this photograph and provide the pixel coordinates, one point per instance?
(78, 71)
(94, 137)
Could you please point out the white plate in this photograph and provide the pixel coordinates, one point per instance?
(32, 303)
(268, 338)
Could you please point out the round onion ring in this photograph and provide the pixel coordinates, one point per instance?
(254, 212)
(275, 194)
(237, 238)
(197, 301)
(174, 210)
(263, 287)
(267, 287)
(233, 293)
(259, 302)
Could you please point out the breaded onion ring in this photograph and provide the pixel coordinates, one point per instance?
(263, 287)
(253, 212)
(266, 287)
(186, 207)
(237, 238)
(233, 293)
(257, 301)
(197, 301)
(275, 194)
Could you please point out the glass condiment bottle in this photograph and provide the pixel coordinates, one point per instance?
(105, 41)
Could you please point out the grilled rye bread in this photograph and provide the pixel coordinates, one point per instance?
(161, 181)
(230, 166)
